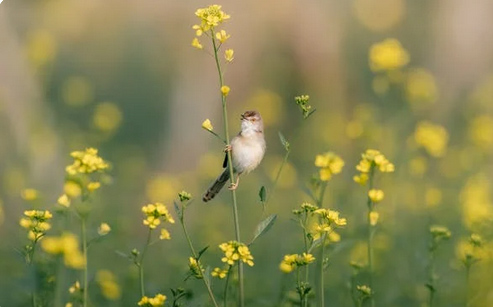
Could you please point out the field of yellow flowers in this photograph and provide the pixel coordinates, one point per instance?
(374, 190)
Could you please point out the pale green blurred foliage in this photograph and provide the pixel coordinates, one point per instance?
(122, 77)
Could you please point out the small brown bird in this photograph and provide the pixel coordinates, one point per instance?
(247, 150)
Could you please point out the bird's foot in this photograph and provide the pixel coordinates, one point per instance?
(233, 186)
(227, 148)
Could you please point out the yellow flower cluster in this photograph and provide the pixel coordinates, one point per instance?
(388, 55)
(329, 164)
(210, 17)
(29, 194)
(235, 251)
(155, 301)
(196, 269)
(86, 162)
(155, 213)
(219, 273)
(36, 222)
(433, 138)
(440, 232)
(108, 283)
(293, 261)
(421, 86)
(67, 245)
(104, 229)
(370, 160)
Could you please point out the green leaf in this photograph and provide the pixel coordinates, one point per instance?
(202, 251)
(262, 194)
(284, 142)
(124, 255)
(264, 226)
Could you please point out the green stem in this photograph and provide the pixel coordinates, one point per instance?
(298, 282)
(305, 241)
(231, 170)
(226, 287)
(322, 257)
(468, 271)
(195, 256)
(370, 237)
(141, 264)
(85, 280)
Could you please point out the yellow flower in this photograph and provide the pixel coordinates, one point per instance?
(164, 235)
(440, 232)
(207, 125)
(93, 186)
(361, 179)
(375, 195)
(329, 164)
(29, 194)
(374, 218)
(155, 213)
(421, 86)
(196, 269)
(104, 229)
(108, 283)
(388, 55)
(364, 290)
(290, 262)
(481, 131)
(156, 301)
(72, 189)
(68, 245)
(211, 16)
(64, 200)
(219, 273)
(225, 90)
(235, 251)
(74, 288)
(229, 55)
(197, 44)
(433, 138)
(36, 222)
(86, 162)
(370, 159)
(222, 36)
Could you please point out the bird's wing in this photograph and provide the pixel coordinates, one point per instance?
(225, 162)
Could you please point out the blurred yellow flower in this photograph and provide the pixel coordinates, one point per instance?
(421, 86)
(104, 229)
(108, 283)
(93, 186)
(440, 232)
(229, 55)
(375, 195)
(164, 235)
(72, 189)
(219, 273)
(481, 131)
(197, 44)
(388, 55)
(225, 90)
(156, 301)
(361, 179)
(29, 194)
(74, 288)
(379, 15)
(433, 138)
(329, 164)
(222, 36)
(207, 125)
(68, 245)
(374, 216)
(477, 202)
(107, 117)
(64, 200)
(41, 47)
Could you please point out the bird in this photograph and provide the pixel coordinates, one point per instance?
(247, 151)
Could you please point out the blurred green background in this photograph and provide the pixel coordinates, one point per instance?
(122, 76)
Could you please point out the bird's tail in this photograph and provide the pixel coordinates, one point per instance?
(216, 186)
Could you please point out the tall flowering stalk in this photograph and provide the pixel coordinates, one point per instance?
(210, 19)
(438, 234)
(196, 269)
(371, 162)
(83, 178)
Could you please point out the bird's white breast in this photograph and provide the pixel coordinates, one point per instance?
(247, 150)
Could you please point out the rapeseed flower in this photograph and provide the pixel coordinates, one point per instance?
(388, 55)
(155, 214)
(36, 222)
(86, 162)
(293, 261)
(329, 164)
(235, 251)
(156, 301)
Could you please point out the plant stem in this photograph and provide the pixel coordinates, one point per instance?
(231, 170)
(322, 257)
(370, 237)
(141, 264)
(84, 250)
(226, 286)
(468, 271)
(195, 256)
(305, 241)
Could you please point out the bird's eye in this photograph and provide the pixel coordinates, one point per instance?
(252, 119)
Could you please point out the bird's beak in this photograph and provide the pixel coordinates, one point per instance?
(242, 116)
